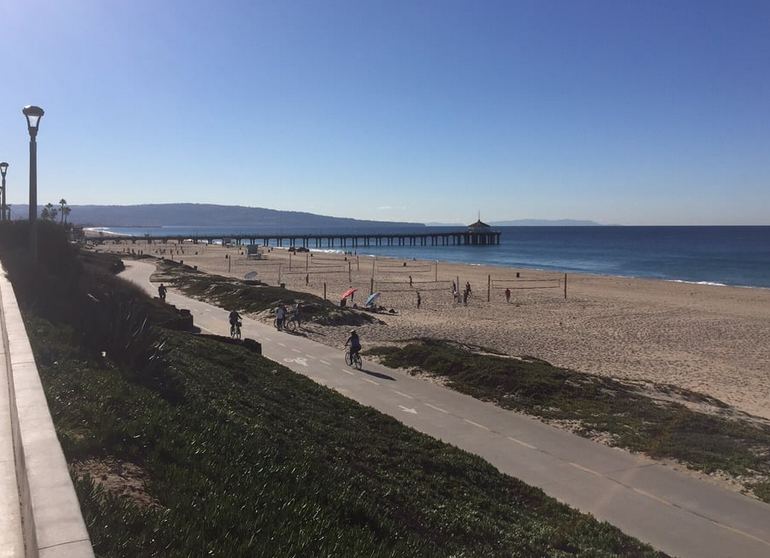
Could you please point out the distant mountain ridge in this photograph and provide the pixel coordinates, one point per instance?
(545, 223)
(528, 223)
(211, 215)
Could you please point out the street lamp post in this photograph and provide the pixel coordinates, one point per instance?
(3, 207)
(33, 114)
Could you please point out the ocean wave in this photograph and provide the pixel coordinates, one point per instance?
(710, 283)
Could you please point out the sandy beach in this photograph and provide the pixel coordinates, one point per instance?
(712, 339)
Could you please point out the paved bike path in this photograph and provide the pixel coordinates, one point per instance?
(672, 511)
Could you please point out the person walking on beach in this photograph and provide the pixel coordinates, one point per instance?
(508, 296)
(468, 287)
(465, 297)
(410, 280)
(419, 300)
(162, 292)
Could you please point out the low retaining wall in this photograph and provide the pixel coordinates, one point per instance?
(52, 523)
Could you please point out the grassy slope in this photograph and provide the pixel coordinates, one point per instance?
(659, 428)
(247, 458)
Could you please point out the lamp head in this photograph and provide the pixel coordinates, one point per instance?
(3, 168)
(33, 114)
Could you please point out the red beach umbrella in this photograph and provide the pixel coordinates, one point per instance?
(348, 293)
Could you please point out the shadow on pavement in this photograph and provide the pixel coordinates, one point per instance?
(378, 375)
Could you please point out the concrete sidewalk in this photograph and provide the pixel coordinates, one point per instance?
(671, 511)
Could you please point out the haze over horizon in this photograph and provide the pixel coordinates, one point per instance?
(654, 113)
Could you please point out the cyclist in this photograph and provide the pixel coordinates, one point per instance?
(235, 321)
(354, 342)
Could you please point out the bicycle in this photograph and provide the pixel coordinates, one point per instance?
(353, 360)
(235, 330)
(290, 324)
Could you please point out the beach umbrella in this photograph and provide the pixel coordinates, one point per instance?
(348, 293)
(372, 298)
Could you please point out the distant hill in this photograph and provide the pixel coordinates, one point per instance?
(545, 223)
(211, 215)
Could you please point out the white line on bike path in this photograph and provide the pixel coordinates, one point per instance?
(476, 424)
(347, 372)
(436, 408)
(324, 362)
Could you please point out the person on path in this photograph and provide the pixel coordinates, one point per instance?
(419, 300)
(235, 318)
(280, 316)
(354, 342)
(508, 296)
(162, 292)
(298, 315)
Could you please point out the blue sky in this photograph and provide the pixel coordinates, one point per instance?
(648, 112)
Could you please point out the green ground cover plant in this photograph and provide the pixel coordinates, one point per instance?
(236, 455)
(653, 419)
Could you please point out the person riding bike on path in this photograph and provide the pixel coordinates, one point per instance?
(354, 342)
(235, 319)
(162, 292)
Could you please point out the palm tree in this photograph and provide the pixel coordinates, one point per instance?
(49, 212)
(62, 204)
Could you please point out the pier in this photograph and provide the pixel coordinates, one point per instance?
(470, 237)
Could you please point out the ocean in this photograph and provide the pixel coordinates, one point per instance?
(732, 255)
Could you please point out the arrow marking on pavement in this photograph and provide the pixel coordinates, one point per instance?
(407, 409)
